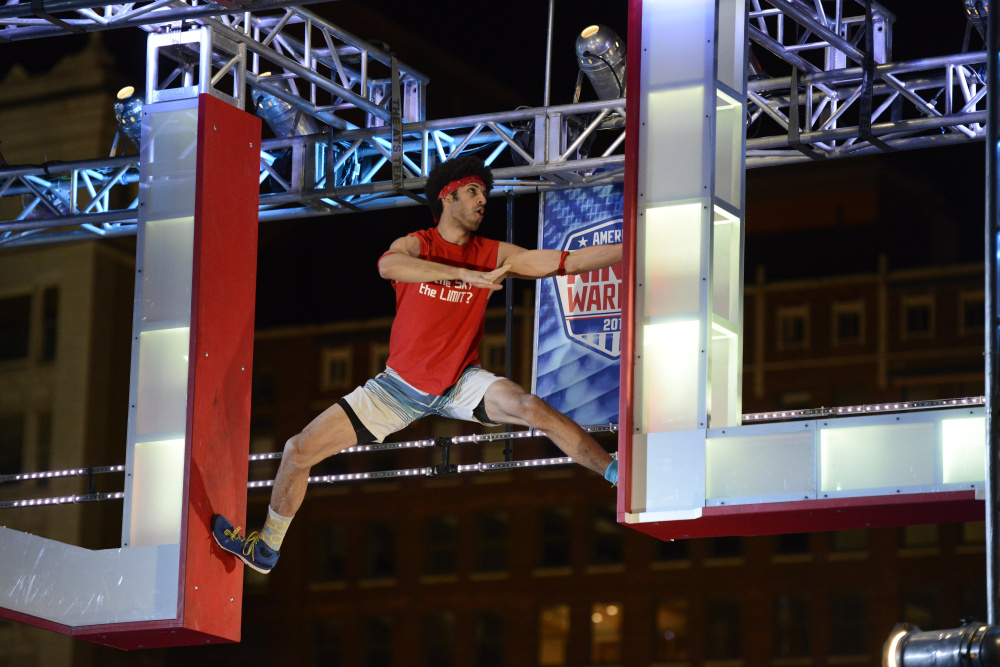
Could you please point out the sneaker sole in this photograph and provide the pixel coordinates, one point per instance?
(246, 562)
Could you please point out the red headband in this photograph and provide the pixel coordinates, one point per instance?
(455, 185)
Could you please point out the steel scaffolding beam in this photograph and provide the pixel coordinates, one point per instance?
(815, 102)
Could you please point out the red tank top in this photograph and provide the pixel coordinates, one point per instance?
(439, 325)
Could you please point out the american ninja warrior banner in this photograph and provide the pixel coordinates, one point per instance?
(578, 318)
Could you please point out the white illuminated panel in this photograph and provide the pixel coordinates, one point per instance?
(674, 37)
(156, 493)
(172, 158)
(729, 119)
(163, 377)
(726, 285)
(777, 466)
(724, 377)
(673, 273)
(963, 450)
(731, 59)
(675, 139)
(161, 325)
(878, 456)
(670, 374)
(168, 251)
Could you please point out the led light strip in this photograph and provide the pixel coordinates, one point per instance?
(51, 474)
(850, 410)
(456, 440)
(62, 500)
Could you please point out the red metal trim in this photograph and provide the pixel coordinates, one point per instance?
(630, 201)
(222, 325)
(819, 515)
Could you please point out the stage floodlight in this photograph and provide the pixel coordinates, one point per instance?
(971, 644)
(601, 56)
(977, 11)
(281, 116)
(128, 114)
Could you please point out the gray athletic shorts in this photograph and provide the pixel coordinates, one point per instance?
(387, 403)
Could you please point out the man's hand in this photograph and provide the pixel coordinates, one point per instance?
(485, 280)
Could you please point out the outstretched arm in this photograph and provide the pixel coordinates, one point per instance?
(403, 264)
(544, 263)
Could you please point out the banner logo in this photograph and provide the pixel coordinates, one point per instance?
(590, 303)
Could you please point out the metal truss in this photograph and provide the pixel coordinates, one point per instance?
(541, 149)
(46, 18)
(822, 85)
(844, 95)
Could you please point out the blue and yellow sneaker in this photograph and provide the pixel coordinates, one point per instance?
(249, 549)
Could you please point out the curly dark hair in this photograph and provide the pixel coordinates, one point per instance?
(452, 170)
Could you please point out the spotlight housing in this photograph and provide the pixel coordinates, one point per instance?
(600, 54)
(283, 118)
(973, 644)
(128, 114)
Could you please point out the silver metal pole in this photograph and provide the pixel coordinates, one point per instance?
(992, 310)
(548, 53)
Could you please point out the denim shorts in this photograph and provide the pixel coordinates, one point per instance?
(387, 403)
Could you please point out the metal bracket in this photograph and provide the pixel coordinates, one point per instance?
(445, 467)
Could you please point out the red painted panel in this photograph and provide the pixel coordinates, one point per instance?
(809, 516)
(625, 394)
(222, 327)
(146, 635)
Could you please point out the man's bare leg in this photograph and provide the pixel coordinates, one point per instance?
(328, 434)
(508, 403)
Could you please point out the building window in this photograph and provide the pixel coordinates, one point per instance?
(605, 633)
(43, 444)
(672, 551)
(553, 635)
(12, 444)
(791, 625)
(377, 642)
(50, 323)
(974, 533)
(438, 645)
(606, 536)
(672, 631)
(491, 542)
(441, 545)
(380, 550)
(972, 598)
(849, 541)
(972, 313)
(795, 400)
(791, 544)
(725, 548)
(379, 358)
(262, 390)
(488, 634)
(918, 317)
(15, 327)
(849, 323)
(493, 354)
(331, 552)
(848, 623)
(335, 368)
(328, 642)
(921, 605)
(556, 537)
(793, 328)
(723, 629)
(920, 537)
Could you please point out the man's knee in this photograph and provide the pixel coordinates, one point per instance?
(302, 452)
(533, 409)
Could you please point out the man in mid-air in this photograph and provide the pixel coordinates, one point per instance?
(443, 278)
